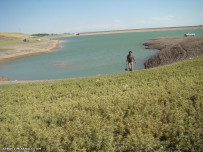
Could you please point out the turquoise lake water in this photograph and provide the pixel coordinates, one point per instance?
(91, 55)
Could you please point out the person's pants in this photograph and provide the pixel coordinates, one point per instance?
(130, 66)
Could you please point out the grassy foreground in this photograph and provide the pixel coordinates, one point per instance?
(158, 109)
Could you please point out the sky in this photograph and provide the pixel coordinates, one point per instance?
(73, 16)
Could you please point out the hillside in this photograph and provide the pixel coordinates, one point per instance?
(4, 35)
(158, 109)
(173, 49)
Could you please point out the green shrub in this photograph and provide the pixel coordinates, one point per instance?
(158, 109)
(41, 34)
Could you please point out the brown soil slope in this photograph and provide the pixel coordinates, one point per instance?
(2, 78)
(173, 49)
(20, 50)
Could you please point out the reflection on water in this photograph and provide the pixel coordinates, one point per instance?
(83, 56)
(64, 64)
(60, 64)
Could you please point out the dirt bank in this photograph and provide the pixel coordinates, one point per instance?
(144, 30)
(20, 50)
(2, 78)
(173, 49)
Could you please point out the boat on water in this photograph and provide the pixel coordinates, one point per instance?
(189, 34)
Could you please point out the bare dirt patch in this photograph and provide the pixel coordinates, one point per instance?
(24, 49)
(2, 78)
(173, 49)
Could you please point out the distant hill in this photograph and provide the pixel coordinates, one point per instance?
(4, 35)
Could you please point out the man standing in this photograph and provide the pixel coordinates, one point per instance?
(129, 61)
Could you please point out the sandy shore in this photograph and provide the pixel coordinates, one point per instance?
(173, 49)
(21, 50)
(144, 30)
(16, 51)
(2, 78)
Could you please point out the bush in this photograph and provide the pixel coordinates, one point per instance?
(41, 34)
(158, 109)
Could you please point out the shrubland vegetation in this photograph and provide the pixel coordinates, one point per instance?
(157, 109)
(41, 34)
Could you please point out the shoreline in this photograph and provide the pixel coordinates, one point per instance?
(3, 78)
(17, 54)
(6, 57)
(148, 45)
(173, 50)
(132, 31)
(32, 53)
(143, 30)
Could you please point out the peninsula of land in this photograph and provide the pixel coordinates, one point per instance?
(19, 49)
(13, 47)
(173, 49)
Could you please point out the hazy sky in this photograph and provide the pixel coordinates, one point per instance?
(69, 16)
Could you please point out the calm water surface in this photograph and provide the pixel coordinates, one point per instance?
(83, 56)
